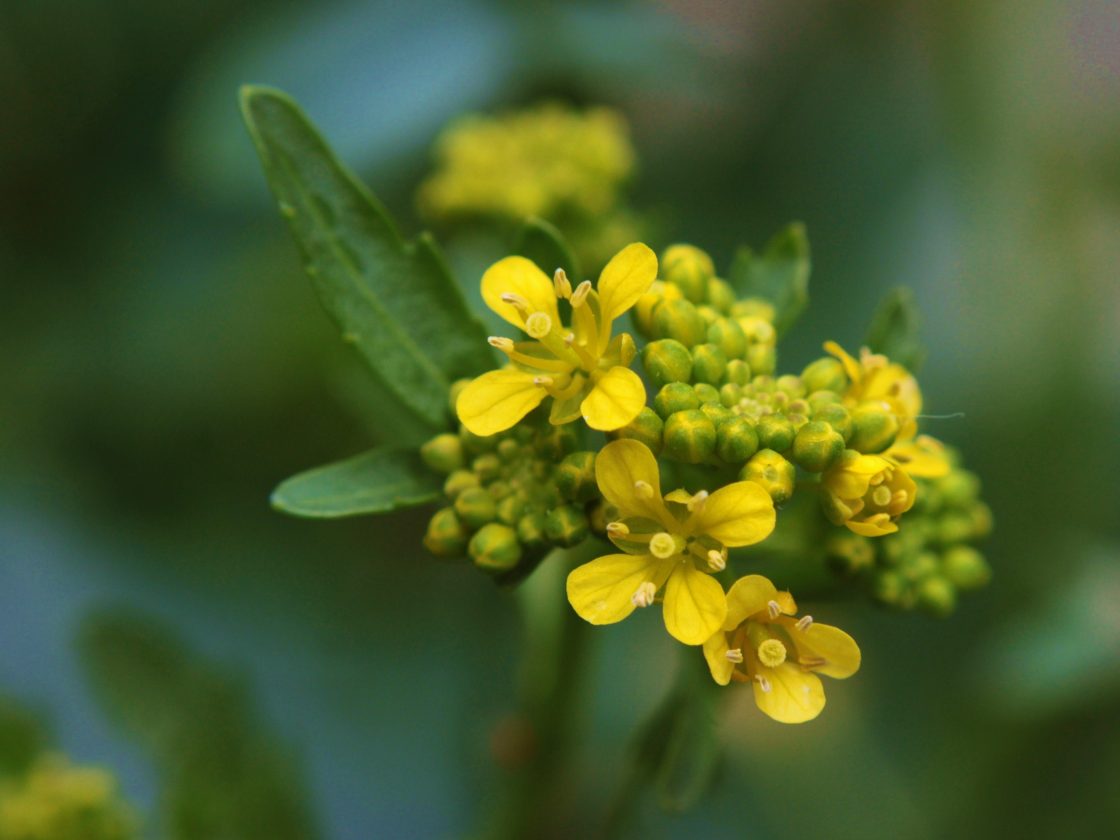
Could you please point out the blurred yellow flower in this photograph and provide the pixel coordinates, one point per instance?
(583, 369)
(760, 642)
(673, 544)
(867, 493)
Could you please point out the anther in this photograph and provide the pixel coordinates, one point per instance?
(617, 529)
(500, 342)
(542, 380)
(697, 501)
(570, 338)
(774, 608)
(804, 623)
(763, 683)
(734, 655)
(643, 597)
(643, 490)
(579, 296)
(516, 301)
(716, 561)
(562, 284)
(538, 325)
(662, 545)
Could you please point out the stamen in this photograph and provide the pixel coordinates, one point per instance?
(811, 662)
(716, 560)
(662, 545)
(763, 683)
(881, 495)
(517, 302)
(771, 653)
(617, 529)
(579, 296)
(538, 325)
(697, 502)
(643, 489)
(500, 342)
(570, 338)
(562, 284)
(643, 597)
(900, 498)
(734, 655)
(542, 380)
(774, 608)
(804, 623)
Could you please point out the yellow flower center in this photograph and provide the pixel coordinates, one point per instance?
(662, 545)
(771, 653)
(881, 495)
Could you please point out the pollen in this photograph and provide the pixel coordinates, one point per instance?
(643, 596)
(579, 296)
(716, 561)
(734, 655)
(697, 502)
(517, 302)
(774, 608)
(561, 284)
(662, 545)
(804, 623)
(771, 653)
(763, 683)
(538, 325)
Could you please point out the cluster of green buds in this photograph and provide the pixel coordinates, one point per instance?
(512, 496)
(934, 558)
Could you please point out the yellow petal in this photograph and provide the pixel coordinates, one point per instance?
(752, 594)
(519, 276)
(618, 468)
(851, 366)
(626, 278)
(601, 591)
(738, 514)
(615, 400)
(496, 400)
(715, 652)
(823, 641)
(923, 457)
(795, 696)
(680, 496)
(875, 527)
(695, 605)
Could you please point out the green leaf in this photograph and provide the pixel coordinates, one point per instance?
(377, 481)
(543, 243)
(780, 274)
(395, 301)
(894, 329)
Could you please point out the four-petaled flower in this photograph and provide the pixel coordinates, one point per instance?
(760, 642)
(673, 543)
(867, 493)
(583, 369)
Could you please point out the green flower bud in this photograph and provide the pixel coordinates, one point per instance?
(874, 428)
(558, 441)
(716, 413)
(475, 507)
(954, 527)
(816, 446)
(508, 449)
(575, 477)
(443, 453)
(495, 548)
(709, 364)
(981, 516)
(474, 444)
(706, 393)
(736, 440)
(738, 372)
(459, 481)
(729, 337)
(689, 436)
(762, 358)
(566, 526)
(530, 530)
(674, 397)
(499, 489)
(820, 399)
(775, 432)
(667, 361)
(773, 473)
(848, 553)
(709, 314)
(679, 320)
(730, 394)
(510, 509)
(837, 417)
(888, 587)
(446, 536)
(790, 385)
(646, 428)
(720, 295)
(689, 269)
(937, 596)
(487, 467)
(965, 567)
(959, 489)
(921, 566)
(597, 519)
(825, 374)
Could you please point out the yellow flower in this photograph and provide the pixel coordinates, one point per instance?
(761, 643)
(867, 493)
(673, 544)
(583, 369)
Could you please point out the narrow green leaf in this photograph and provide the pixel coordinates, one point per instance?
(780, 274)
(543, 243)
(395, 301)
(894, 329)
(377, 481)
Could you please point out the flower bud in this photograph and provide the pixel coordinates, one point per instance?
(689, 269)
(645, 428)
(717, 413)
(981, 516)
(706, 393)
(566, 526)
(709, 364)
(736, 440)
(475, 444)
(848, 553)
(667, 361)
(837, 417)
(499, 489)
(825, 374)
(762, 358)
(487, 467)
(495, 548)
(530, 530)
(674, 397)
(475, 507)
(819, 399)
(753, 308)
(510, 509)
(773, 473)
(738, 372)
(689, 436)
(446, 536)
(443, 453)
(775, 432)
(954, 527)
(730, 394)
(959, 489)
(965, 567)
(558, 441)
(874, 428)
(459, 481)
(709, 314)
(642, 313)
(937, 596)
(720, 295)
(816, 446)
(575, 477)
(508, 449)
(679, 320)
(888, 587)
(729, 337)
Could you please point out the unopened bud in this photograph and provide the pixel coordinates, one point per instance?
(709, 364)
(443, 453)
(530, 530)
(487, 467)
(729, 337)
(643, 310)
(566, 526)
(825, 374)
(965, 567)
(459, 481)
(495, 548)
(753, 308)
(510, 508)
(575, 477)
(646, 428)
(959, 489)
(816, 446)
(775, 431)
(674, 397)
(772, 473)
(849, 553)
(738, 372)
(474, 444)
(762, 358)
(558, 441)
(954, 527)
(874, 427)
(706, 393)
(736, 440)
(720, 295)
(819, 399)
(937, 596)
(446, 536)
(667, 361)
(475, 507)
(837, 417)
(717, 413)
(679, 320)
(689, 436)
(689, 269)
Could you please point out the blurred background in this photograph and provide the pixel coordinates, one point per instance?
(165, 363)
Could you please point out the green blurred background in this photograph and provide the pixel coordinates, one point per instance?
(165, 363)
